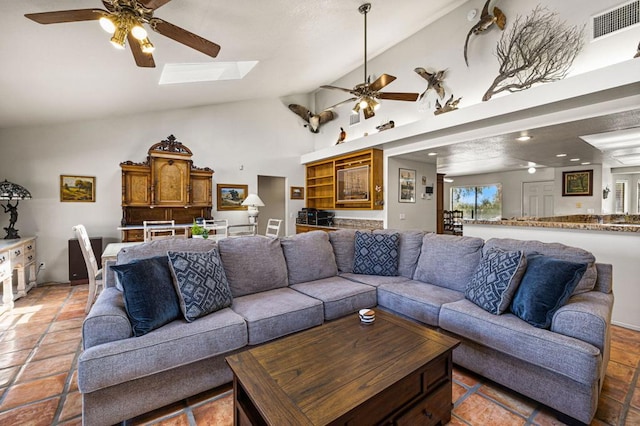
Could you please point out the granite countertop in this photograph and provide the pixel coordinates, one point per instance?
(561, 224)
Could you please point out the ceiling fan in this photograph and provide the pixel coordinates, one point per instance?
(124, 19)
(366, 94)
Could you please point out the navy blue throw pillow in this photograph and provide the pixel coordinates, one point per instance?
(376, 254)
(150, 298)
(545, 287)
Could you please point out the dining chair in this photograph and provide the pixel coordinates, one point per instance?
(158, 229)
(95, 274)
(273, 228)
(219, 228)
(241, 230)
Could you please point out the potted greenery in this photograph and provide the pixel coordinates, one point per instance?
(199, 231)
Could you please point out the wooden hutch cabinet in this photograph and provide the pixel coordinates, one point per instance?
(167, 186)
(349, 182)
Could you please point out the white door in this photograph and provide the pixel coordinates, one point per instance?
(537, 198)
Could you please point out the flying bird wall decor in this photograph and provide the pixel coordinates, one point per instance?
(314, 121)
(485, 22)
(434, 81)
(450, 105)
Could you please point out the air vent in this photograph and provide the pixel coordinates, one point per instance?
(616, 19)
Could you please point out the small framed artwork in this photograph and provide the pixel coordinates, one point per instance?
(577, 183)
(353, 184)
(81, 189)
(230, 196)
(297, 192)
(407, 188)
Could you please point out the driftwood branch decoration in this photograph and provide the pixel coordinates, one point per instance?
(537, 49)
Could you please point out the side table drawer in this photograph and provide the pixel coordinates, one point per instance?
(434, 409)
(17, 256)
(30, 252)
(5, 265)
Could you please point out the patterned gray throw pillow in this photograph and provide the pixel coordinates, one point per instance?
(496, 280)
(376, 254)
(200, 282)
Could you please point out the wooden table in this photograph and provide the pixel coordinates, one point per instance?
(392, 371)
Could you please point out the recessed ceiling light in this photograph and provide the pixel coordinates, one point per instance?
(523, 138)
(585, 163)
(208, 71)
(561, 155)
(531, 170)
(431, 154)
(448, 180)
(574, 159)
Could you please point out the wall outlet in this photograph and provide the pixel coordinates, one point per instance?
(42, 265)
(402, 216)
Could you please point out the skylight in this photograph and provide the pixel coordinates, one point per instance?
(209, 71)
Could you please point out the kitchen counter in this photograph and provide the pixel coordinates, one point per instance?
(612, 223)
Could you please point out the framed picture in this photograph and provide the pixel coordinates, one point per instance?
(407, 189)
(353, 184)
(297, 192)
(577, 183)
(78, 189)
(230, 197)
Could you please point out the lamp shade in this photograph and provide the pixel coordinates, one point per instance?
(253, 200)
(13, 191)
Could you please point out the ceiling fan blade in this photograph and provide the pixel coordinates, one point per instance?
(142, 59)
(61, 16)
(153, 4)
(381, 81)
(338, 88)
(185, 37)
(342, 103)
(398, 96)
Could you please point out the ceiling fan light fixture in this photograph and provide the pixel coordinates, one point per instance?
(363, 103)
(107, 25)
(356, 109)
(147, 46)
(118, 39)
(139, 32)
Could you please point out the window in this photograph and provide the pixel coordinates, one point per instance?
(478, 202)
(621, 196)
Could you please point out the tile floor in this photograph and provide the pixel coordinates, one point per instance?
(40, 343)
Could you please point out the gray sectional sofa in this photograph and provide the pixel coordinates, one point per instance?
(282, 286)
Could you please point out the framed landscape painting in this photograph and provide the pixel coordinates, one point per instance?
(230, 197)
(77, 188)
(577, 183)
(297, 193)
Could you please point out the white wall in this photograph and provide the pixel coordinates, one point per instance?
(617, 248)
(418, 215)
(239, 141)
(578, 204)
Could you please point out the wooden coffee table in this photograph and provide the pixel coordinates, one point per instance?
(392, 371)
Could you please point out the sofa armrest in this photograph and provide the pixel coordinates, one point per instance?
(604, 282)
(107, 321)
(587, 317)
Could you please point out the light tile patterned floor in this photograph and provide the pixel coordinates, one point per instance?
(40, 344)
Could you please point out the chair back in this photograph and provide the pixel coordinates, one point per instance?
(273, 228)
(93, 272)
(159, 229)
(219, 228)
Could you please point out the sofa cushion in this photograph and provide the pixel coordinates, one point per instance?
(546, 286)
(374, 280)
(408, 250)
(309, 257)
(253, 264)
(150, 298)
(512, 336)
(496, 280)
(417, 300)
(339, 296)
(200, 282)
(448, 261)
(161, 248)
(275, 313)
(175, 344)
(376, 254)
(107, 321)
(344, 246)
(557, 250)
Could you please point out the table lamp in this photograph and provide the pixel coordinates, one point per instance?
(11, 191)
(253, 202)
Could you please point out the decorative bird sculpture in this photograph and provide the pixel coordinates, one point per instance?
(638, 52)
(434, 81)
(450, 105)
(485, 22)
(314, 121)
(342, 136)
